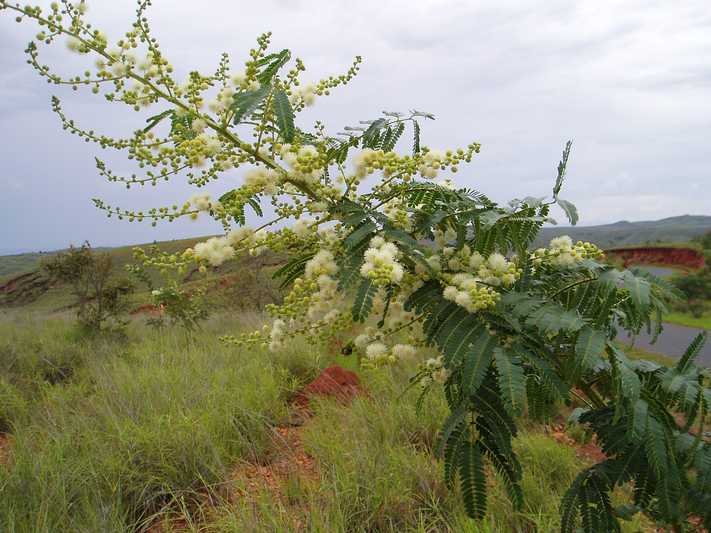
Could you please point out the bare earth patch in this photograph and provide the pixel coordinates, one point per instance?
(288, 460)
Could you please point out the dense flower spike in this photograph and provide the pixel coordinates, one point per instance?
(381, 262)
(388, 253)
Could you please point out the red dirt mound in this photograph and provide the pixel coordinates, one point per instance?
(24, 289)
(335, 382)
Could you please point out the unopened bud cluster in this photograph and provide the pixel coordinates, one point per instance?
(561, 252)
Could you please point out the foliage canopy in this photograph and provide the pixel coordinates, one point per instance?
(416, 265)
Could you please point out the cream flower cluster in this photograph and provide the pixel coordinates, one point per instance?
(211, 144)
(303, 227)
(377, 353)
(223, 101)
(321, 264)
(362, 340)
(201, 201)
(441, 238)
(404, 351)
(216, 250)
(330, 236)
(381, 263)
(473, 288)
(431, 164)
(264, 179)
(198, 125)
(239, 80)
(322, 267)
(395, 210)
(277, 335)
(465, 291)
(201, 147)
(304, 162)
(244, 237)
(563, 253)
(305, 94)
(494, 270)
(362, 162)
(433, 370)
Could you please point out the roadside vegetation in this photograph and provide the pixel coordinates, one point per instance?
(382, 257)
(153, 431)
(694, 310)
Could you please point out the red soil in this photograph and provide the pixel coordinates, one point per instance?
(147, 309)
(590, 451)
(288, 460)
(685, 257)
(334, 382)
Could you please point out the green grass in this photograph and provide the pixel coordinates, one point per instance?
(639, 353)
(111, 435)
(685, 319)
(131, 429)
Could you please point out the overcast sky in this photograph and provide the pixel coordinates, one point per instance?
(629, 81)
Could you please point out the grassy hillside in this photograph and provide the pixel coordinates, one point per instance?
(12, 265)
(234, 283)
(675, 229)
(157, 434)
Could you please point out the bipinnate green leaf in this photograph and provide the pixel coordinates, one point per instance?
(562, 167)
(512, 381)
(246, 102)
(570, 211)
(363, 303)
(477, 361)
(284, 115)
(473, 480)
(589, 347)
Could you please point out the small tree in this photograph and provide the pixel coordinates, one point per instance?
(174, 303)
(376, 245)
(100, 297)
(705, 242)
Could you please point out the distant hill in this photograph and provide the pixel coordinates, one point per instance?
(18, 263)
(667, 230)
(23, 284)
(674, 229)
(12, 265)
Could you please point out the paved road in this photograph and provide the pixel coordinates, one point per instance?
(672, 342)
(659, 271)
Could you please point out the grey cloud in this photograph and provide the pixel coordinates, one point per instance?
(627, 79)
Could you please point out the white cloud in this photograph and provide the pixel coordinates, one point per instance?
(627, 79)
